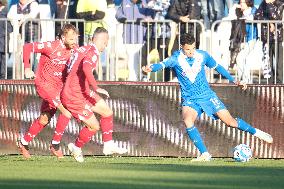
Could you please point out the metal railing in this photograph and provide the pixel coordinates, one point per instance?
(159, 39)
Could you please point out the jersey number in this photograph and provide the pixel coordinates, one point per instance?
(215, 101)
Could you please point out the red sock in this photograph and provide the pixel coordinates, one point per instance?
(85, 136)
(107, 127)
(35, 128)
(61, 124)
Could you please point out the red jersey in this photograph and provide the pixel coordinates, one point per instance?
(80, 74)
(52, 64)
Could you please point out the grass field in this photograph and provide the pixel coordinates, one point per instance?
(42, 172)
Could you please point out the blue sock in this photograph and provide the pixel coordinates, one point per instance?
(194, 135)
(244, 126)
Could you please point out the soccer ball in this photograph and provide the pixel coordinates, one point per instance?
(242, 153)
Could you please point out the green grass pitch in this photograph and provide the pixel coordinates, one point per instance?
(44, 172)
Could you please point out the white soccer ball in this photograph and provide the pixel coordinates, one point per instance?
(242, 153)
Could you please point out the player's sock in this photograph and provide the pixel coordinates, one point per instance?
(62, 123)
(244, 126)
(106, 124)
(84, 137)
(194, 135)
(35, 128)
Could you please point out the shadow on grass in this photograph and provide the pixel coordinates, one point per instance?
(72, 175)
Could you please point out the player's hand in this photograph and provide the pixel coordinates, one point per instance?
(102, 91)
(241, 84)
(147, 68)
(184, 18)
(29, 74)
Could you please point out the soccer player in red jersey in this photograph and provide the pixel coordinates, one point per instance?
(82, 101)
(50, 76)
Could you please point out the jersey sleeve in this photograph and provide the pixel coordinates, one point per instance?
(88, 68)
(166, 63)
(210, 61)
(36, 47)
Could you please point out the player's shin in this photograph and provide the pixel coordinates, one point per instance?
(34, 129)
(84, 137)
(62, 123)
(194, 135)
(244, 126)
(106, 124)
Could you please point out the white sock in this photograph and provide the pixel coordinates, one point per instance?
(24, 142)
(55, 142)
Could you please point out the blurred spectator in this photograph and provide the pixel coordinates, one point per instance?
(61, 13)
(3, 35)
(272, 34)
(217, 8)
(93, 11)
(158, 34)
(47, 11)
(182, 11)
(246, 11)
(131, 13)
(19, 13)
(117, 2)
(25, 9)
(205, 14)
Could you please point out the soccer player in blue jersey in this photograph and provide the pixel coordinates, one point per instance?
(197, 96)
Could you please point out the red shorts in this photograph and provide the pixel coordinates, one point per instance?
(80, 108)
(50, 96)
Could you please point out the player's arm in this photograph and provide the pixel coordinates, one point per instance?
(211, 63)
(88, 71)
(29, 48)
(168, 62)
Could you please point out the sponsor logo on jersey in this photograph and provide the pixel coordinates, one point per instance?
(57, 74)
(58, 61)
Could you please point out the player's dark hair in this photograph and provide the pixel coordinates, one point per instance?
(99, 30)
(187, 38)
(66, 28)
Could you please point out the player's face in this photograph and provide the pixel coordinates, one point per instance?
(101, 41)
(188, 49)
(70, 39)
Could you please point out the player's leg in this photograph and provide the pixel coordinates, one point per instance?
(106, 124)
(35, 128)
(189, 115)
(226, 117)
(85, 135)
(62, 122)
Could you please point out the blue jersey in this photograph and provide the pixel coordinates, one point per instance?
(191, 73)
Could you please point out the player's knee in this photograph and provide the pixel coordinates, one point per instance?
(94, 127)
(108, 112)
(188, 122)
(44, 120)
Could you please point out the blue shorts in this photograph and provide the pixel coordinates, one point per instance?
(210, 105)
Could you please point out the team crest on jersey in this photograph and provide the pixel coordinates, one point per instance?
(59, 53)
(85, 113)
(40, 46)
